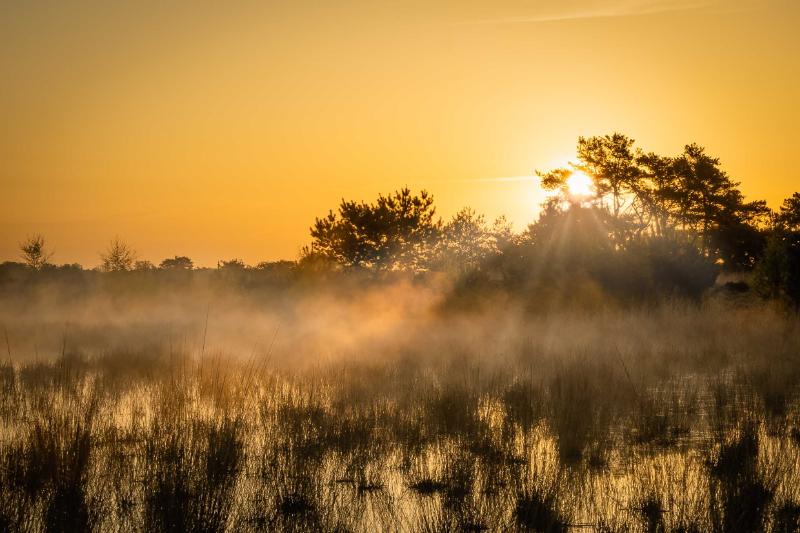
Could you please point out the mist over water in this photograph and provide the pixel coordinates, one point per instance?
(356, 319)
(390, 403)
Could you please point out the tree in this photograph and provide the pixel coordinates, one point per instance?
(502, 234)
(572, 236)
(465, 243)
(119, 257)
(34, 253)
(712, 206)
(687, 198)
(788, 218)
(233, 270)
(554, 179)
(659, 192)
(177, 263)
(231, 265)
(143, 266)
(777, 274)
(395, 233)
(610, 161)
(280, 265)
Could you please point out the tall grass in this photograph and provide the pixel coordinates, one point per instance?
(646, 433)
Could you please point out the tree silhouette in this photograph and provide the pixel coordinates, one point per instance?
(395, 233)
(685, 198)
(554, 179)
(34, 254)
(659, 192)
(788, 218)
(712, 206)
(177, 263)
(467, 241)
(777, 274)
(143, 266)
(119, 257)
(611, 161)
(231, 265)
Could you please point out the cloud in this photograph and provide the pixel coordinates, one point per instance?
(501, 179)
(553, 11)
(493, 179)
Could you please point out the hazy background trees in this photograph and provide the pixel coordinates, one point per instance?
(467, 242)
(118, 257)
(778, 273)
(33, 252)
(177, 263)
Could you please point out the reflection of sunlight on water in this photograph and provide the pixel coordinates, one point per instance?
(382, 481)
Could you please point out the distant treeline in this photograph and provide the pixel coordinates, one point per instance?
(646, 226)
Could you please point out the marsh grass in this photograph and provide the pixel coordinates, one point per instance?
(641, 437)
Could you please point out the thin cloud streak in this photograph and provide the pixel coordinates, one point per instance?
(635, 9)
(498, 179)
(501, 179)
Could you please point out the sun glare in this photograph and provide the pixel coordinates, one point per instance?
(580, 185)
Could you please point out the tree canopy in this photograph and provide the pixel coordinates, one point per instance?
(34, 253)
(685, 197)
(179, 262)
(119, 257)
(646, 222)
(393, 233)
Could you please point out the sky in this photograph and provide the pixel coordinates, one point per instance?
(221, 130)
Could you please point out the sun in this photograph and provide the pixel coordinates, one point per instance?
(580, 185)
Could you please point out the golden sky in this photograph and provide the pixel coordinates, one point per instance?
(221, 129)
